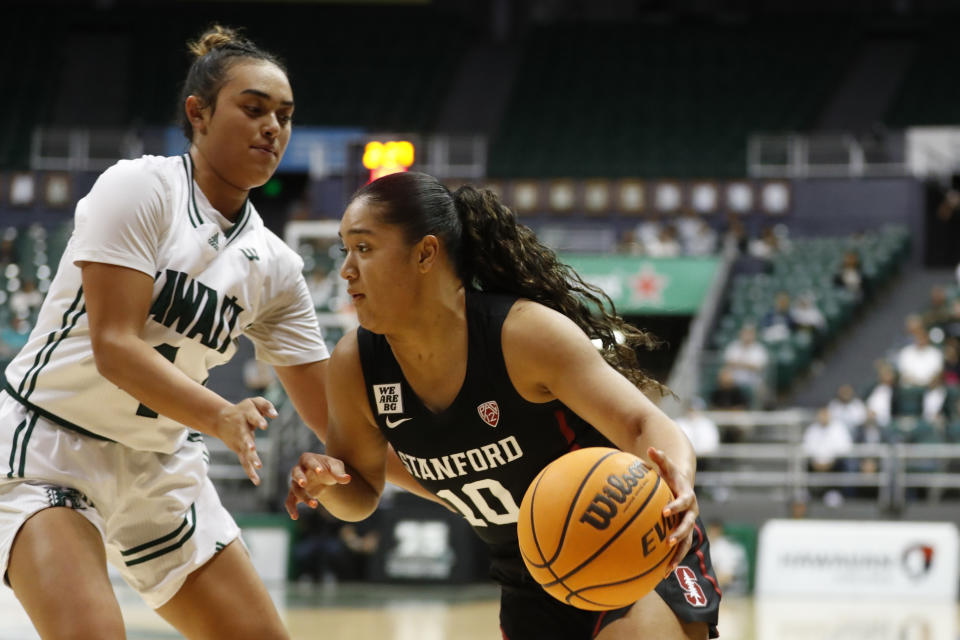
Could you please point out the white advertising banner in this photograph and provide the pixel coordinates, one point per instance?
(846, 558)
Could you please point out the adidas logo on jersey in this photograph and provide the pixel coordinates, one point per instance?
(214, 241)
(251, 254)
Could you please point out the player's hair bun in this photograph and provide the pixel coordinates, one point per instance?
(217, 37)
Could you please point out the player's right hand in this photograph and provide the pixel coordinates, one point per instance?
(310, 477)
(236, 426)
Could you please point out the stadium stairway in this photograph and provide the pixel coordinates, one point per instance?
(866, 339)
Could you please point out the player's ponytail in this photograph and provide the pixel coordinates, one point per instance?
(215, 52)
(492, 252)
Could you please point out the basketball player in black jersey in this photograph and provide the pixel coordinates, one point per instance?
(474, 363)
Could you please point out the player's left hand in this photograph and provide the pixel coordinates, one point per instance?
(684, 502)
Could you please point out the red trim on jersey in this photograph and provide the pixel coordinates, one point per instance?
(703, 563)
(596, 629)
(504, 634)
(565, 429)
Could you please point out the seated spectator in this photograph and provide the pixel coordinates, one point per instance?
(951, 362)
(26, 300)
(14, 336)
(686, 223)
(727, 394)
(825, 442)
(748, 360)
(880, 400)
(666, 245)
(951, 327)
(648, 231)
(850, 276)
(934, 399)
(770, 243)
(729, 558)
(938, 314)
(628, 244)
(777, 324)
(870, 432)
(807, 315)
(920, 362)
(701, 430)
(703, 241)
(848, 408)
(736, 234)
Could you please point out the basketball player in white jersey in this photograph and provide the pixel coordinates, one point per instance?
(104, 410)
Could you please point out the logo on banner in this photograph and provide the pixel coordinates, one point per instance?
(691, 588)
(389, 398)
(490, 412)
(917, 560)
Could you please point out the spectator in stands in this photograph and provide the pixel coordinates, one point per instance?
(951, 362)
(729, 559)
(951, 327)
(686, 222)
(25, 301)
(703, 241)
(880, 400)
(920, 362)
(850, 275)
(748, 360)
(938, 314)
(8, 249)
(825, 442)
(327, 549)
(736, 234)
(778, 324)
(847, 408)
(628, 243)
(727, 394)
(13, 336)
(666, 245)
(648, 231)
(870, 432)
(769, 244)
(934, 400)
(257, 376)
(807, 315)
(701, 430)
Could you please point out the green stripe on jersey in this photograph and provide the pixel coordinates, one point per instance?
(50, 339)
(191, 519)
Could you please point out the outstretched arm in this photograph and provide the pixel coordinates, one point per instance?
(549, 357)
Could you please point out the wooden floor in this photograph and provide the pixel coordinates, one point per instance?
(377, 612)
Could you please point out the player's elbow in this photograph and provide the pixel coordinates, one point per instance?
(111, 355)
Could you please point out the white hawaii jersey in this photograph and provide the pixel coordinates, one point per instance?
(213, 280)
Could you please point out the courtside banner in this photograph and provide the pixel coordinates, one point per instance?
(669, 286)
(870, 559)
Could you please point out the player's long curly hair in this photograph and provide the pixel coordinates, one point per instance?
(215, 52)
(495, 253)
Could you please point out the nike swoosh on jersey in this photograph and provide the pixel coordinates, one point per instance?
(394, 425)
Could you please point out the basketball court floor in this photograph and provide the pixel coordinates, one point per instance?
(381, 612)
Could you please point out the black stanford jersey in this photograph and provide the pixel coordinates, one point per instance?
(482, 452)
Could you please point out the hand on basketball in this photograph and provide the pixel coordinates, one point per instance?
(685, 502)
(236, 426)
(313, 474)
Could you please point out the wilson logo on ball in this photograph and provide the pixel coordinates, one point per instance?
(618, 489)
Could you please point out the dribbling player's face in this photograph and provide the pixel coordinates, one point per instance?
(379, 266)
(245, 137)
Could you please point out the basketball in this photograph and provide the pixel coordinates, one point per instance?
(592, 531)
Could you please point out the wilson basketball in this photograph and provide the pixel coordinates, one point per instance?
(592, 530)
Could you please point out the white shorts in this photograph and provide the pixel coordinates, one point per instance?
(158, 514)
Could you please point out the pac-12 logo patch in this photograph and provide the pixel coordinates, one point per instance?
(389, 398)
(490, 412)
(691, 588)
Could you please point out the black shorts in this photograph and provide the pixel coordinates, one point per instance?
(529, 613)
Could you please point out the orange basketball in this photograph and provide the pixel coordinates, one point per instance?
(592, 530)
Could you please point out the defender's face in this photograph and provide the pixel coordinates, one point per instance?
(379, 266)
(245, 137)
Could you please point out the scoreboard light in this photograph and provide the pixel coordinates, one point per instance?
(384, 158)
